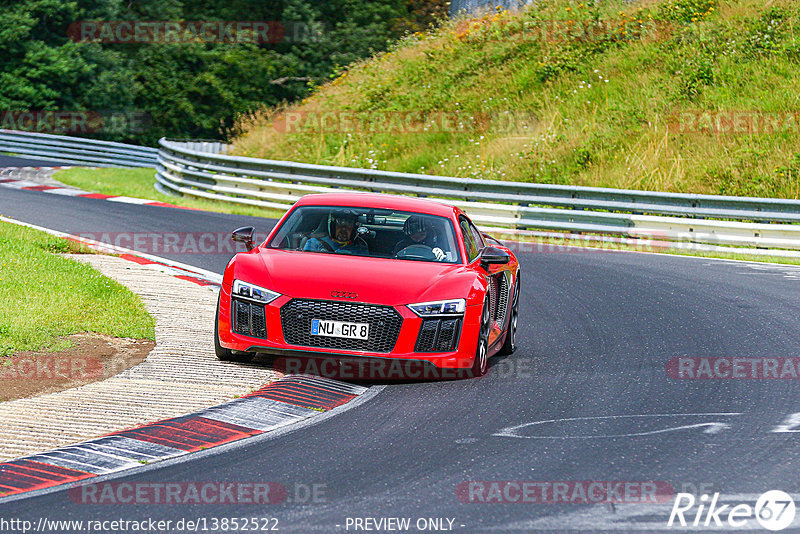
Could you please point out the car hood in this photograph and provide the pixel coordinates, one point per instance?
(375, 280)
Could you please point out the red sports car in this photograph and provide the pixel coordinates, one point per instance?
(407, 282)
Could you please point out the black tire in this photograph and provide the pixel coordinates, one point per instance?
(481, 362)
(510, 344)
(227, 355)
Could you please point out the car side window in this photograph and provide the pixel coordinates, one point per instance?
(478, 237)
(469, 240)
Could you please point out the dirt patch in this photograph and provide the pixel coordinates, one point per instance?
(92, 357)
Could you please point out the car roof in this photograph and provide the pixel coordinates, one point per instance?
(380, 201)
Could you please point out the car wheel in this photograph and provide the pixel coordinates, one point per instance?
(510, 344)
(481, 362)
(227, 355)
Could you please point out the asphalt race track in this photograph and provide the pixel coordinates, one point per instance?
(12, 161)
(596, 332)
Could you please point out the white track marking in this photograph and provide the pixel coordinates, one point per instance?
(712, 427)
(131, 200)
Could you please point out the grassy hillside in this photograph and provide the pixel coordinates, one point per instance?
(677, 95)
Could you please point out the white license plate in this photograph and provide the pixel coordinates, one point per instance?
(339, 329)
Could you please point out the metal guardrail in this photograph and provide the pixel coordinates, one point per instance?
(720, 220)
(76, 150)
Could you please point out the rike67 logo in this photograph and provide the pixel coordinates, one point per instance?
(774, 510)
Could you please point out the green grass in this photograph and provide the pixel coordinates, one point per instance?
(44, 297)
(600, 111)
(139, 183)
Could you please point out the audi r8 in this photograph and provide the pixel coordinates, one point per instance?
(369, 276)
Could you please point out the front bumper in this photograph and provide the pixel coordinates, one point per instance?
(273, 341)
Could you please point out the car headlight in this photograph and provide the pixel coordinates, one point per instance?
(440, 307)
(245, 290)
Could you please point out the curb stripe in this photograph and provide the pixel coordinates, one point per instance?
(71, 191)
(328, 383)
(189, 433)
(135, 259)
(168, 205)
(302, 394)
(258, 413)
(25, 475)
(129, 200)
(124, 447)
(198, 281)
(299, 397)
(50, 471)
(289, 400)
(100, 196)
(41, 188)
(78, 459)
(68, 192)
(20, 184)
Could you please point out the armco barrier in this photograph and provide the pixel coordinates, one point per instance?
(184, 167)
(76, 150)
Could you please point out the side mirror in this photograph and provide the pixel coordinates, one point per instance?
(493, 256)
(244, 235)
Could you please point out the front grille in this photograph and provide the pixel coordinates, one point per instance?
(384, 324)
(438, 335)
(249, 319)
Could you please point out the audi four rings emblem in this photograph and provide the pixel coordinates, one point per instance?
(343, 295)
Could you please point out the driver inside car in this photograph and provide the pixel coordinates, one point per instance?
(342, 236)
(420, 232)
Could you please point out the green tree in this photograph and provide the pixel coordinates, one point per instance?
(188, 89)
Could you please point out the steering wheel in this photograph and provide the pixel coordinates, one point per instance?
(416, 252)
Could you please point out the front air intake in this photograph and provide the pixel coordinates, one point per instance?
(249, 319)
(438, 335)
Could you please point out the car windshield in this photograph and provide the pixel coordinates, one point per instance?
(376, 233)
